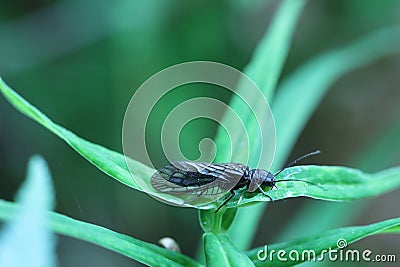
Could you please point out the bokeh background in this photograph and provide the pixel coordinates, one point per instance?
(81, 61)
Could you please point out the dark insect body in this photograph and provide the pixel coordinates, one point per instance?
(199, 178)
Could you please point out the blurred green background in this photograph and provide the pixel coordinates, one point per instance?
(81, 61)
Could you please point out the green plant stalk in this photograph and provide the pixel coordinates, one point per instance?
(210, 221)
(216, 223)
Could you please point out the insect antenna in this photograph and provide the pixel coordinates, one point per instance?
(317, 152)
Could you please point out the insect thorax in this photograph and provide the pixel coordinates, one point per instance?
(260, 177)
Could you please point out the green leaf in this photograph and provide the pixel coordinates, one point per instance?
(334, 184)
(264, 69)
(143, 252)
(245, 225)
(326, 240)
(26, 240)
(216, 222)
(271, 52)
(380, 153)
(220, 251)
(108, 161)
(206, 219)
(228, 218)
(299, 95)
(312, 213)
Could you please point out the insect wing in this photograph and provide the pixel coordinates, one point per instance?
(193, 180)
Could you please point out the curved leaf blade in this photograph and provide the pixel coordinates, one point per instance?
(110, 162)
(143, 252)
(376, 156)
(264, 69)
(220, 251)
(28, 232)
(334, 184)
(324, 241)
(299, 95)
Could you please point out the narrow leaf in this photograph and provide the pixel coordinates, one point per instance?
(216, 222)
(320, 242)
(331, 183)
(271, 52)
(108, 161)
(220, 251)
(299, 95)
(143, 252)
(264, 69)
(378, 155)
(26, 239)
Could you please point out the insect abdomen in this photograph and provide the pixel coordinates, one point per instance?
(185, 178)
(191, 179)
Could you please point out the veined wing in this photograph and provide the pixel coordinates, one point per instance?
(198, 178)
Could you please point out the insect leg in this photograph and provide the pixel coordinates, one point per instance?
(265, 194)
(226, 200)
(242, 194)
(240, 198)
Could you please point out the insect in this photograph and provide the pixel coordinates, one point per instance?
(200, 178)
